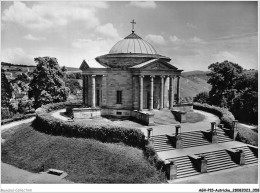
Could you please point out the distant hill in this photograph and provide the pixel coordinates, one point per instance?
(12, 70)
(196, 73)
(194, 82)
(72, 69)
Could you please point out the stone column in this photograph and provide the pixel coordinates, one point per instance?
(93, 77)
(178, 89)
(162, 94)
(141, 85)
(151, 94)
(84, 89)
(87, 97)
(171, 91)
(101, 91)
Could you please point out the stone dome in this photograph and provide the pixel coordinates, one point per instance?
(132, 44)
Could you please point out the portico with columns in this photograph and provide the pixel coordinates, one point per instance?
(145, 87)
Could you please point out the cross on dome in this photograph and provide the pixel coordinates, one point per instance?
(133, 23)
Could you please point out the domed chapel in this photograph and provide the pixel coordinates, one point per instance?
(132, 76)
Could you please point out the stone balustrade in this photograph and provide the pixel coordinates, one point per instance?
(144, 118)
(200, 162)
(187, 107)
(237, 155)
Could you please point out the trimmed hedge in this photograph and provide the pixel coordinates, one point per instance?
(225, 116)
(44, 122)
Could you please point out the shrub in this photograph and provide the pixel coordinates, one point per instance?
(202, 97)
(25, 107)
(6, 113)
(225, 116)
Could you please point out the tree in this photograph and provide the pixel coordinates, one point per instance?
(64, 69)
(245, 105)
(73, 85)
(47, 83)
(202, 97)
(236, 89)
(222, 78)
(6, 90)
(21, 83)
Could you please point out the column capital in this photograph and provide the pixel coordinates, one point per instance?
(141, 76)
(93, 75)
(162, 76)
(152, 76)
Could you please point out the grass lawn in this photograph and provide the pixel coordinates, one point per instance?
(85, 160)
(193, 117)
(110, 121)
(248, 135)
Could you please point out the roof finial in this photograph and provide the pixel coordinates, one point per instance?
(133, 27)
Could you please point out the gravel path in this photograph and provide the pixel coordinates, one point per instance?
(239, 175)
(14, 175)
(57, 115)
(9, 125)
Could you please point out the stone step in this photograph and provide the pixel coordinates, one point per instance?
(220, 164)
(223, 167)
(184, 167)
(187, 175)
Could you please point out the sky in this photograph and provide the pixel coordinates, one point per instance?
(193, 34)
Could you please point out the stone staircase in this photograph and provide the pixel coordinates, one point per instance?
(197, 163)
(219, 160)
(185, 167)
(216, 161)
(223, 136)
(161, 143)
(190, 139)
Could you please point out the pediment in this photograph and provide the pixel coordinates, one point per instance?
(84, 65)
(159, 65)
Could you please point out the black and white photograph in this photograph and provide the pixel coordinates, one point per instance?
(129, 96)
